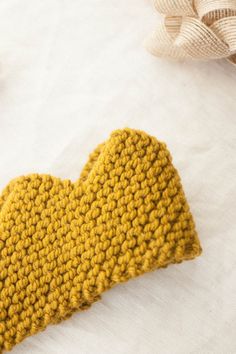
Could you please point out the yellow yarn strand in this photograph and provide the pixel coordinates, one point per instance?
(62, 244)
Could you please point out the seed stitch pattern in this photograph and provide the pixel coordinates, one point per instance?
(62, 244)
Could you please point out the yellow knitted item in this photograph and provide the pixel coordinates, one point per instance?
(62, 244)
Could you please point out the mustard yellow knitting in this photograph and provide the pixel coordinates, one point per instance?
(62, 244)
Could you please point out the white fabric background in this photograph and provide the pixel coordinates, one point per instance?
(73, 71)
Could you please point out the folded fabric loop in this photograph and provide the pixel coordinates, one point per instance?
(207, 31)
(175, 7)
(62, 244)
(160, 43)
(225, 28)
(173, 25)
(211, 10)
(199, 41)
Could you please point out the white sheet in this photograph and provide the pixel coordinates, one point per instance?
(73, 71)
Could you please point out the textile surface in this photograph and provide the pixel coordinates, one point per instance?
(199, 29)
(63, 244)
(73, 71)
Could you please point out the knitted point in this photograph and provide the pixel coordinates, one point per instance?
(62, 244)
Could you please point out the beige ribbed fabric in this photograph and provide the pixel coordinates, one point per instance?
(197, 29)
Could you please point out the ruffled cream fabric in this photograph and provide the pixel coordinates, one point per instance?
(197, 29)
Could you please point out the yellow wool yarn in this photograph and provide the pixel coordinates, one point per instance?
(62, 244)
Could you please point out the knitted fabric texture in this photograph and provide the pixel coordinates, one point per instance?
(62, 244)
